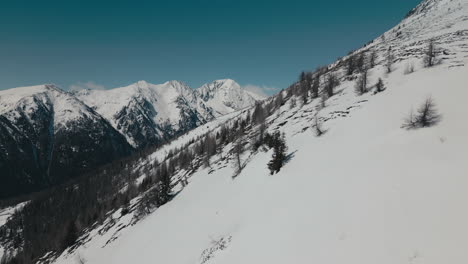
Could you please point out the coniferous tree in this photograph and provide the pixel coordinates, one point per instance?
(379, 87)
(279, 153)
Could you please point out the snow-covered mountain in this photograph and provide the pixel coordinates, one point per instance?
(57, 135)
(225, 96)
(367, 191)
(47, 136)
(147, 114)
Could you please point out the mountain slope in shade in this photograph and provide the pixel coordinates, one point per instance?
(48, 136)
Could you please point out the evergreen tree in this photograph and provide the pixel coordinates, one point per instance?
(279, 154)
(379, 87)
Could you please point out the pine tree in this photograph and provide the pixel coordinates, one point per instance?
(279, 153)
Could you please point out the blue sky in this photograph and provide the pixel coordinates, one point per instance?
(114, 43)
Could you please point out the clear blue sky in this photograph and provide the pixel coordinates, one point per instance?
(115, 43)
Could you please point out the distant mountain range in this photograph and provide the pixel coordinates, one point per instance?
(48, 135)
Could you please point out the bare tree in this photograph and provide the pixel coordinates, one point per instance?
(361, 83)
(361, 62)
(238, 149)
(390, 58)
(372, 58)
(409, 68)
(292, 102)
(318, 127)
(429, 57)
(316, 86)
(351, 64)
(332, 82)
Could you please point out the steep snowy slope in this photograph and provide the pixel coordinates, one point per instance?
(225, 96)
(367, 191)
(47, 136)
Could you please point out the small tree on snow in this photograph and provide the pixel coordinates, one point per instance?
(379, 87)
(279, 154)
(426, 116)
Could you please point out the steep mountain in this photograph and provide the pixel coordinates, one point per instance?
(224, 96)
(147, 114)
(366, 191)
(48, 136)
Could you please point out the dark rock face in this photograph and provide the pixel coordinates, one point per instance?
(136, 122)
